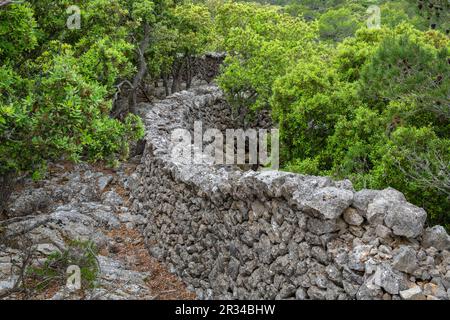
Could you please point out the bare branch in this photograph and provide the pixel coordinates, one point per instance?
(26, 228)
(5, 3)
(428, 170)
(142, 69)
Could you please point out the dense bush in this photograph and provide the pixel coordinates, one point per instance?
(386, 125)
(261, 42)
(56, 85)
(338, 24)
(370, 105)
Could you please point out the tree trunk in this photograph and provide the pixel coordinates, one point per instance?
(4, 3)
(7, 182)
(165, 83)
(142, 69)
(188, 72)
(176, 76)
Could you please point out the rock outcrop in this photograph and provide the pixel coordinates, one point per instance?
(232, 234)
(83, 204)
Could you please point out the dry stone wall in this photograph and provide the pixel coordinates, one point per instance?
(232, 234)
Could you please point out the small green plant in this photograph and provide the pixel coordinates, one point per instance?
(53, 271)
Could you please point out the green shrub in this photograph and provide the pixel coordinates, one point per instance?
(53, 270)
(372, 108)
(65, 116)
(55, 95)
(336, 25)
(377, 114)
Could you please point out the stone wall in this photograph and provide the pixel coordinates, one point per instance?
(232, 234)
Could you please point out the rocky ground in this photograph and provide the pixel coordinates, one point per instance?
(86, 204)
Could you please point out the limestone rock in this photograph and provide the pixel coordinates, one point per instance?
(352, 217)
(386, 278)
(434, 290)
(330, 202)
(414, 293)
(406, 220)
(369, 290)
(300, 294)
(363, 198)
(103, 182)
(28, 202)
(436, 237)
(113, 199)
(359, 256)
(382, 231)
(390, 207)
(405, 259)
(319, 227)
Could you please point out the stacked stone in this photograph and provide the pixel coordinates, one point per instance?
(231, 234)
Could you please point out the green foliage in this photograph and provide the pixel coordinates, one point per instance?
(194, 24)
(338, 24)
(306, 103)
(397, 135)
(419, 166)
(352, 53)
(143, 10)
(261, 43)
(63, 96)
(309, 166)
(436, 13)
(17, 31)
(162, 54)
(394, 13)
(370, 105)
(408, 66)
(107, 60)
(56, 84)
(184, 32)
